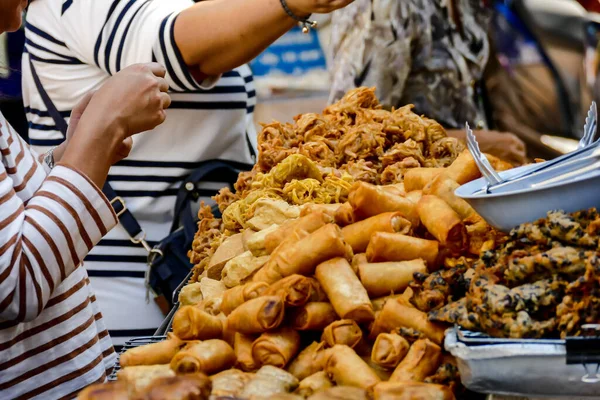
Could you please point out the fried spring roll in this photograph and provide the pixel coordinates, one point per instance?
(396, 247)
(308, 361)
(422, 360)
(242, 346)
(308, 223)
(341, 393)
(347, 295)
(414, 196)
(138, 378)
(211, 306)
(411, 391)
(344, 215)
(209, 357)
(269, 381)
(369, 200)
(152, 354)
(357, 260)
(190, 294)
(317, 294)
(276, 348)
(396, 188)
(389, 349)
(301, 257)
(441, 220)
(344, 331)
(187, 386)
(229, 383)
(463, 169)
(295, 290)
(105, 391)
(386, 278)
(379, 302)
(399, 313)
(444, 188)
(235, 297)
(358, 234)
(192, 323)
(257, 315)
(313, 384)
(328, 209)
(314, 316)
(348, 369)
(418, 178)
(256, 243)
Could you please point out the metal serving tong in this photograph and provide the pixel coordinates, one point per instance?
(548, 168)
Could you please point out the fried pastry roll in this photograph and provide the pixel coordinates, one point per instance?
(418, 178)
(105, 391)
(308, 361)
(411, 391)
(269, 381)
(386, 278)
(341, 393)
(379, 302)
(302, 256)
(423, 359)
(314, 316)
(242, 346)
(192, 323)
(442, 221)
(369, 200)
(138, 378)
(257, 315)
(463, 169)
(389, 349)
(313, 384)
(414, 196)
(295, 290)
(276, 348)
(344, 331)
(348, 369)
(308, 223)
(398, 189)
(344, 215)
(210, 356)
(399, 313)
(152, 354)
(182, 387)
(358, 234)
(236, 296)
(444, 188)
(347, 295)
(328, 209)
(229, 383)
(190, 294)
(396, 247)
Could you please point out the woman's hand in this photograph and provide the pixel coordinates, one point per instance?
(302, 8)
(132, 101)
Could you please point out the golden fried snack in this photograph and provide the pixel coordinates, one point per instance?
(348, 369)
(463, 169)
(328, 209)
(242, 346)
(276, 348)
(380, 279)
(347, 295)
(414, 196)
(301, 257)
(240, 268)
(357, 260)
(210, 356)
(341, 393)
(369, 200)
(192, 323)
(232, 247)
(152, 354)
(182, 387)
(396, 188)
(442, 221)
(257, 315)
(411, 391)
(256, 242)
(236, 296)
(498, 164)
(314, 316)
(344, 331)
(212, 288)
(308, 362)
(344, 215)
(190, 294)
(396, 247)
(229, 383)
(295, 290)
(358, 234)
(418, 178)
(422, 360)
(269, 381)
(379, 302)
(105, 391)
(313, 384)
(308, 223)
(138, 378)
(399, 313)
(389, 349)
(444, 188)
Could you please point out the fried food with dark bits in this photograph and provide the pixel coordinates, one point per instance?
(435, 290)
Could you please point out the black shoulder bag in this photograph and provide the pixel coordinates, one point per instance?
(168, 263)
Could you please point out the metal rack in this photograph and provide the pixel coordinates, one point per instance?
(130, 344)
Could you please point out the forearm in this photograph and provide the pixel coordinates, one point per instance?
(219, 35)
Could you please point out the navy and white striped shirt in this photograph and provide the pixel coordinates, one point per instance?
(75, 46)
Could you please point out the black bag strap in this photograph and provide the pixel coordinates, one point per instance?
(125, 216)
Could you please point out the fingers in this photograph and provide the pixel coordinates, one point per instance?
(157, 69)
(165, 100)
(163, 85)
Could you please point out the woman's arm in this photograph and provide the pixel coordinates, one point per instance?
(219, 35)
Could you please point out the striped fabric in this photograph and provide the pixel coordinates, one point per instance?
(53, 340)
(75, 46)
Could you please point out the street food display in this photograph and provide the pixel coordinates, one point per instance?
(341, 259)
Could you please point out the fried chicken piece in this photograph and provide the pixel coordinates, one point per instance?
(320, 152)
(362, 170)
(224, 198)
(360, 142)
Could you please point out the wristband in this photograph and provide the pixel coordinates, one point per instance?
(304, 22)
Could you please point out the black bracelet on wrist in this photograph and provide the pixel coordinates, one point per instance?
(304, 22)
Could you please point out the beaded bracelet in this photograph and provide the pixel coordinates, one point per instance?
(304, 22)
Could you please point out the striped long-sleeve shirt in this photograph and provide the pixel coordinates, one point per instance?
(53, 341)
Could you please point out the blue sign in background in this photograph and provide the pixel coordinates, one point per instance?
(295, 53)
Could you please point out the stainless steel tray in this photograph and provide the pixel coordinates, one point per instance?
(519, 367)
